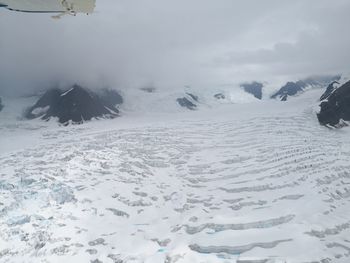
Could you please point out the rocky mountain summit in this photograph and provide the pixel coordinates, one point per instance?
(295, 88)
(254, 88)
(75, 105)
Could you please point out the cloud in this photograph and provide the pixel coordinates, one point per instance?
(320, 47)
(203, 43)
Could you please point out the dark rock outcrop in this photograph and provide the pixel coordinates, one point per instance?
(111, 98)
(219, 96)
(254, 88)
(336, 108)
(284, 98)
(148, 89)
(40, 108)
(294, 88)
(186, 103)
(193, 97)
(290, 89)
(1, 106)
(329, 90)
(75, 105)
(189, 101)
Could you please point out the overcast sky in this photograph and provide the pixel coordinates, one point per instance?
(201, 43)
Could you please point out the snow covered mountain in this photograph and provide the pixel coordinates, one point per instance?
(165, 101)
(244, 182)
(149, 100)
(294, 88)
(77, 105)
(74, 105)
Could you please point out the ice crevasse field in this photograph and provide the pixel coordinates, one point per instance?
(259, 181)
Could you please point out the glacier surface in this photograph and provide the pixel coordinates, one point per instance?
(252, 182)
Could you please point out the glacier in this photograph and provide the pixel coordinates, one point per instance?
(259, 181)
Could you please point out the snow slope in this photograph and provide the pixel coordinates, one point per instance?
(165, 101)
(239, 183)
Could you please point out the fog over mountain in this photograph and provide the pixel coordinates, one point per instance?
(170, 44)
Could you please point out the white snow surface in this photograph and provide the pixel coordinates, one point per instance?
(40, 111)
(254, 182)
(165, 101)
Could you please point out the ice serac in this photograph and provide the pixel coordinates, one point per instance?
(295, 88)
(75, 105)
(254, 88)
(335, 109)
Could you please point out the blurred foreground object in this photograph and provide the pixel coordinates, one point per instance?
(61, 7)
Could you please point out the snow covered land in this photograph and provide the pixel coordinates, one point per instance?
(255, 182)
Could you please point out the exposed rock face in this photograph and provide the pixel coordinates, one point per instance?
(335, 109)
(148, 89)
(111, 98)
(219, 96)
(329, 90)
(290, 89)
(284, 98)
(193, 97)
(254, 88)
(294, 88)
(189, 101)
(75, 105)
(49, 99)
(186, 103)
(1, 106)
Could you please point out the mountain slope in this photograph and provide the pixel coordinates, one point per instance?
(75, 105)
(254, 88)
(335, 108)
(295, 88)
